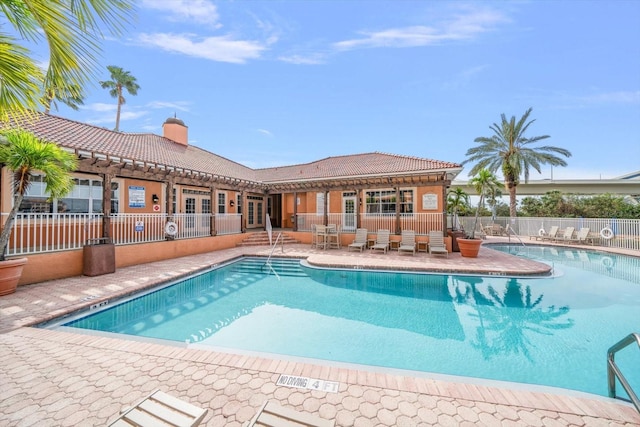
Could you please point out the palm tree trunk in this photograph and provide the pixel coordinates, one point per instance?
(8, 226)
(512, 201)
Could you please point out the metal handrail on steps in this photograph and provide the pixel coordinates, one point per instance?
(273, 248)
(613, 372)
(510, 231)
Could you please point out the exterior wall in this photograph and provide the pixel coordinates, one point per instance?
(433, 189)
(150, 188)
(60, 265)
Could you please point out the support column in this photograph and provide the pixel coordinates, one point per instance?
(359, 206)
(245, 211)
(168, 197)
(106, 205)
(398, 228)
(295, 211)
(444, 208)
(326, 212)
(212, 219)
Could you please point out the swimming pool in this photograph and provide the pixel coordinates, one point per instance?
(548, 331)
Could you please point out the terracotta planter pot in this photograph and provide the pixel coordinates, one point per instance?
(10, 273)
(469, 248)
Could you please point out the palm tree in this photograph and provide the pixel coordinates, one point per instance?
(485, 183)
(71, 30)
(72, 97)
(23, 153)
(457, 200)
(120, 80)
(508, 149)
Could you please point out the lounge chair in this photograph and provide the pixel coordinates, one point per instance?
(436, 244)
(581, 236)
(566, 236)
(160, 409)
(553, 233)
(408, 242)
(360, 241)
(272, 414)
(382, 241)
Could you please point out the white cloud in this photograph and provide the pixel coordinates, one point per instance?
(464, 77)
(178, 105)
(200, 11)
(462, 27)
(620, 97)
(265, 132)
(312, 59)
(221, 49)
(99, 107)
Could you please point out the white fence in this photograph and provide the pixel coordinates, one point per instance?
(38, 233)
(421, 223)
(626, 232)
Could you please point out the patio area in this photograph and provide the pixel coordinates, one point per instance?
(64, 378)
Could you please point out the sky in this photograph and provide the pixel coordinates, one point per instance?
(281, 82)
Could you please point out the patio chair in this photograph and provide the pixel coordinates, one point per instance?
(408, 242)
(360, 241)
(566, 236)
(581, 236)
(333, 236)
(436, 244)
(553, 233)
(159, 409)
(382, 241)
(272, 414)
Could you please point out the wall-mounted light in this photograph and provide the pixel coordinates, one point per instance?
(155, 198)
(231, 203)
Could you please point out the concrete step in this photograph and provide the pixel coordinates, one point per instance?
(262, 239)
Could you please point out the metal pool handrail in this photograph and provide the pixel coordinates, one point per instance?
(613, 372)
(268, 263)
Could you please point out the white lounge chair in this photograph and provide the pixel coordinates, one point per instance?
(436, 244)
(566, 236)
(382, 241)
(553, 233)
(160, 409)
(408, 242)
(272, 414)
(360, 241)
(581, 236)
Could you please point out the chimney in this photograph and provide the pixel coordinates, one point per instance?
(175, 130)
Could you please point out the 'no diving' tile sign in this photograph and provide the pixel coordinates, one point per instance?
(308, 383)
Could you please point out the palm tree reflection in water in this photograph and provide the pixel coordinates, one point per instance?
(505, 319)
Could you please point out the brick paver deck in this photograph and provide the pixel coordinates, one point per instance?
(60, 378)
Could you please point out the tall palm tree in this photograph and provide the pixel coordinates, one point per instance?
(485, 183)
(72, 31)
(23, 154)
(509, 150)
(120, 80)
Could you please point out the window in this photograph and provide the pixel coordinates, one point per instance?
(239, 203)
(320, 203)
(85, 197)
(222, 203)
(115, 197)
(384, 201)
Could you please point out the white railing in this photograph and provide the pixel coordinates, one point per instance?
(38, 233)
(228, 224)
(421, 223)
(137, 228)
(626, 232)
(42, 232)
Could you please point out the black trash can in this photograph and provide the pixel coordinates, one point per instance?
(454, 239)
(98, 257)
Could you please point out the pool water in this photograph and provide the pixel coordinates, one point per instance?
(550, 331)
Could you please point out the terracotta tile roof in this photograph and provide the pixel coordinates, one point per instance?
(355, 165)
(153, 148)
(145, 147)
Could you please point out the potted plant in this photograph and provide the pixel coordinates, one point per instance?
(23, 153)
(484, 183)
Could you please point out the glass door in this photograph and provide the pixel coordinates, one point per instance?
(349, 213)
